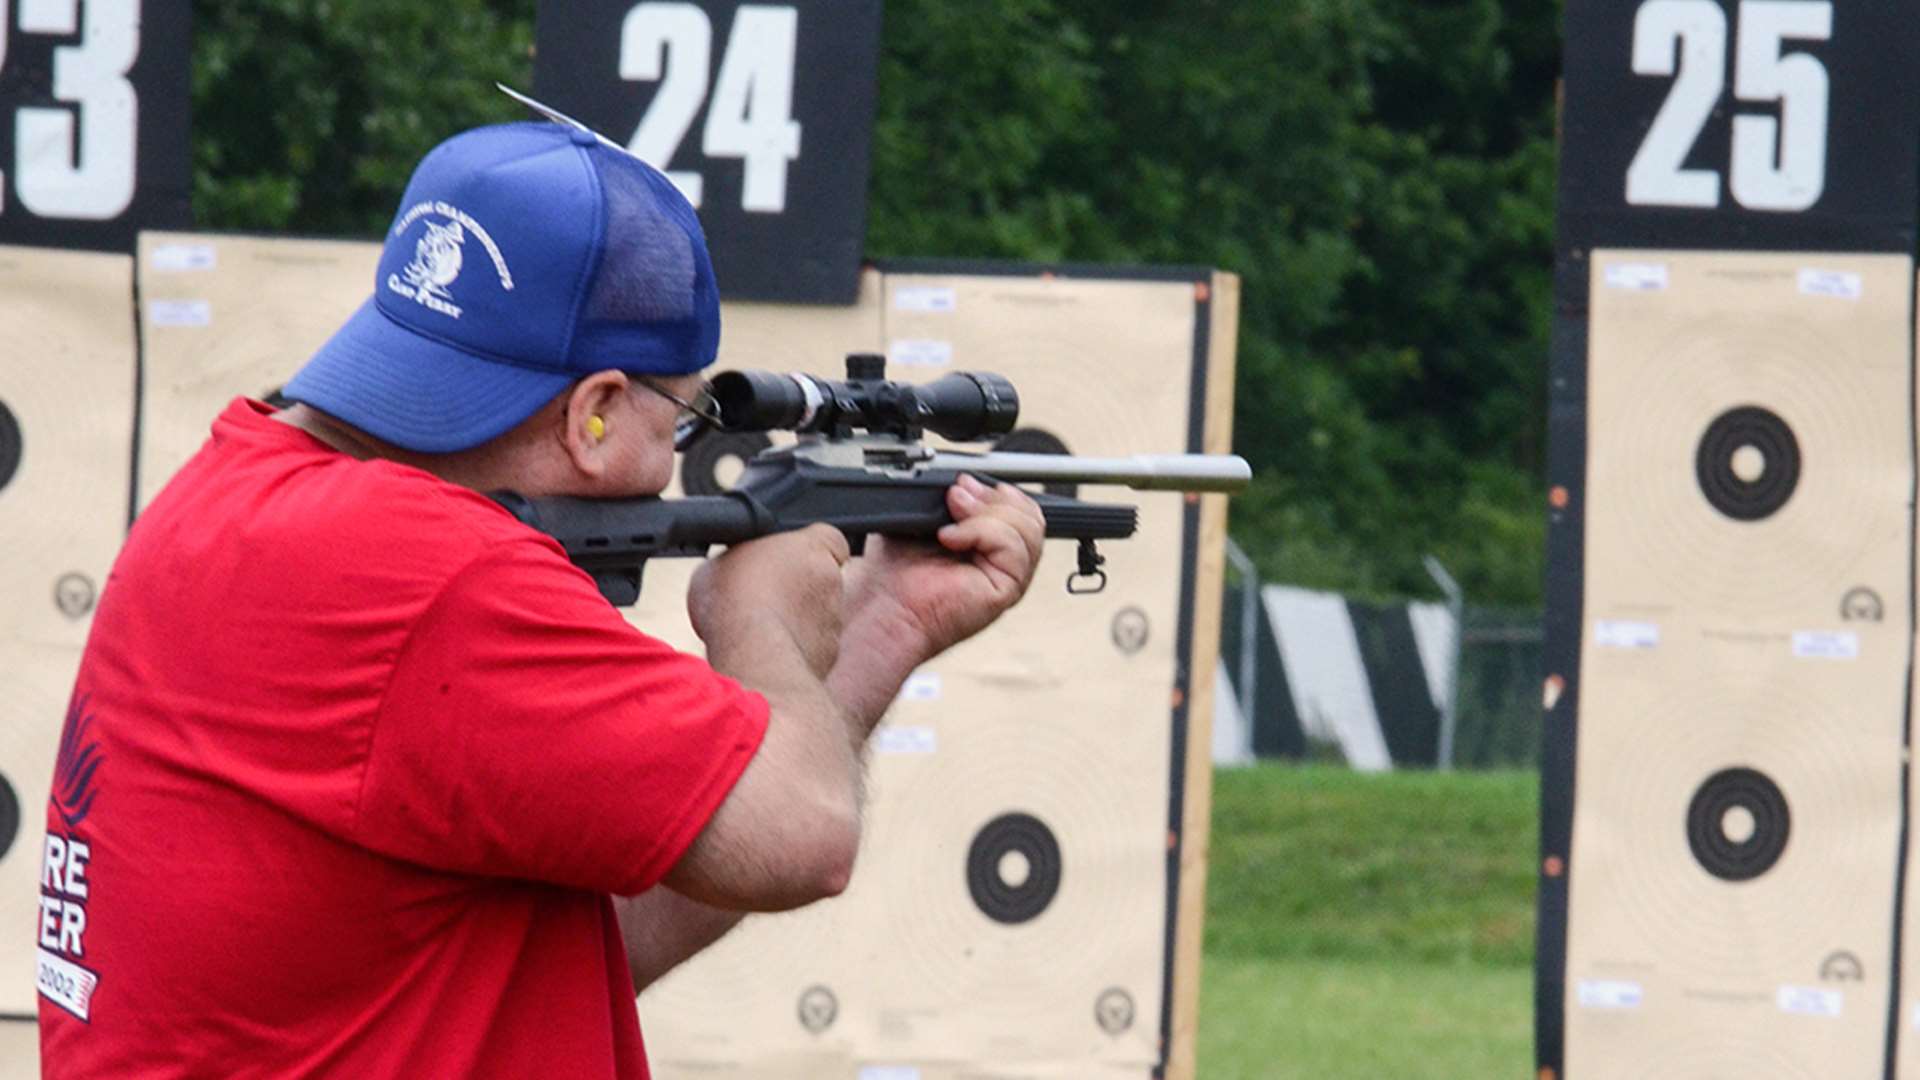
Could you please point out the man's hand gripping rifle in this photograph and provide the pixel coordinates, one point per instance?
(860, 466)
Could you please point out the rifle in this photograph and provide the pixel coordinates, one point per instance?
(860, 466)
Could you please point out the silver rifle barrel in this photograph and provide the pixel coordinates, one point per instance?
(1144, 472)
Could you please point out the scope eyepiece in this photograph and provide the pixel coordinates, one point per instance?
(964, 406)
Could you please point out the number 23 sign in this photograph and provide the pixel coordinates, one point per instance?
(93, 121)
(760, 113)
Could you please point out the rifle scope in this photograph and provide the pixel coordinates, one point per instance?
(964, 406)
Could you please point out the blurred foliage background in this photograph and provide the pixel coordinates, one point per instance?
(1379, 172)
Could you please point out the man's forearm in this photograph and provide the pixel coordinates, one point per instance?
(662, 929)
(879, 648)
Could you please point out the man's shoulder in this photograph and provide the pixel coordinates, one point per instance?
(282, 512)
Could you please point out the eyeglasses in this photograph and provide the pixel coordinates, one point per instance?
(696, 416)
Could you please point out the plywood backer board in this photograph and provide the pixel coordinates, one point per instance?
(1906, 1014)
(1209, 578)
(1717, 648)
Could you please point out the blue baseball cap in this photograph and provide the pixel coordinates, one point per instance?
(523, 257)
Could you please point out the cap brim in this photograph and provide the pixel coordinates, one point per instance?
(416, 392)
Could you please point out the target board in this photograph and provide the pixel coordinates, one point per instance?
(66, 421)
(1016, 906)
(1737, 802)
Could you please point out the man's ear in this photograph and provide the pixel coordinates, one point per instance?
(591, 408)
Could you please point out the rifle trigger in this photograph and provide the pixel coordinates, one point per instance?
(1090, 561)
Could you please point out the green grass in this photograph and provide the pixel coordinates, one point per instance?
(1369, 926)
(1329, 1019)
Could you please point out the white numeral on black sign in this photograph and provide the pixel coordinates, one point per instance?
(1775, 164)
(78, 163)
(752, 112)
(750, 116)
(669, 44)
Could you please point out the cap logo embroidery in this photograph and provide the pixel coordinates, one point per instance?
(439, 256)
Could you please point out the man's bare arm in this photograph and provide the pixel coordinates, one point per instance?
(662, 929)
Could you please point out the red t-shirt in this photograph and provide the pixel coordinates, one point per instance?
(353, 762)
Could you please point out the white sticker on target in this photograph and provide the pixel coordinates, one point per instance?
(180, 313)
(1625, 634)
(177, 258)
(1809, 1001)
(1610, 994)
(1826, 645)
(889, 1072)
(914, 352)
(921, 686)
(1838, 284)
(1637, 277)
(905, 739)
(938, 299)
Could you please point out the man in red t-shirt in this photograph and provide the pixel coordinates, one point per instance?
(362, 778)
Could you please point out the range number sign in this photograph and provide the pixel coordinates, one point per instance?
(760, 113)
(93, 121)
(1741, 123)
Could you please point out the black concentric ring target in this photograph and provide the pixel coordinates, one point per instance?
(10, 444)
(9, 817)
(700, 463)
(1735, 430)
(1000, 900)
(1721, 855)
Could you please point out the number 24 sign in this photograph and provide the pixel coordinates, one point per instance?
(750, 116)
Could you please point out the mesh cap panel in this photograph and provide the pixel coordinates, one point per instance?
(653, 306)
(648, 271)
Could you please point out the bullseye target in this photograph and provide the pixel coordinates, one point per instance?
(10, 444)
(1032, 875)
(1738, 824)
(1709, 855)
(9, 816)
(1748, 463)
(1737, 827)
(1013, 868)
(1753, 459)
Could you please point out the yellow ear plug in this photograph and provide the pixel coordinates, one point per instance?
(596, 427)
